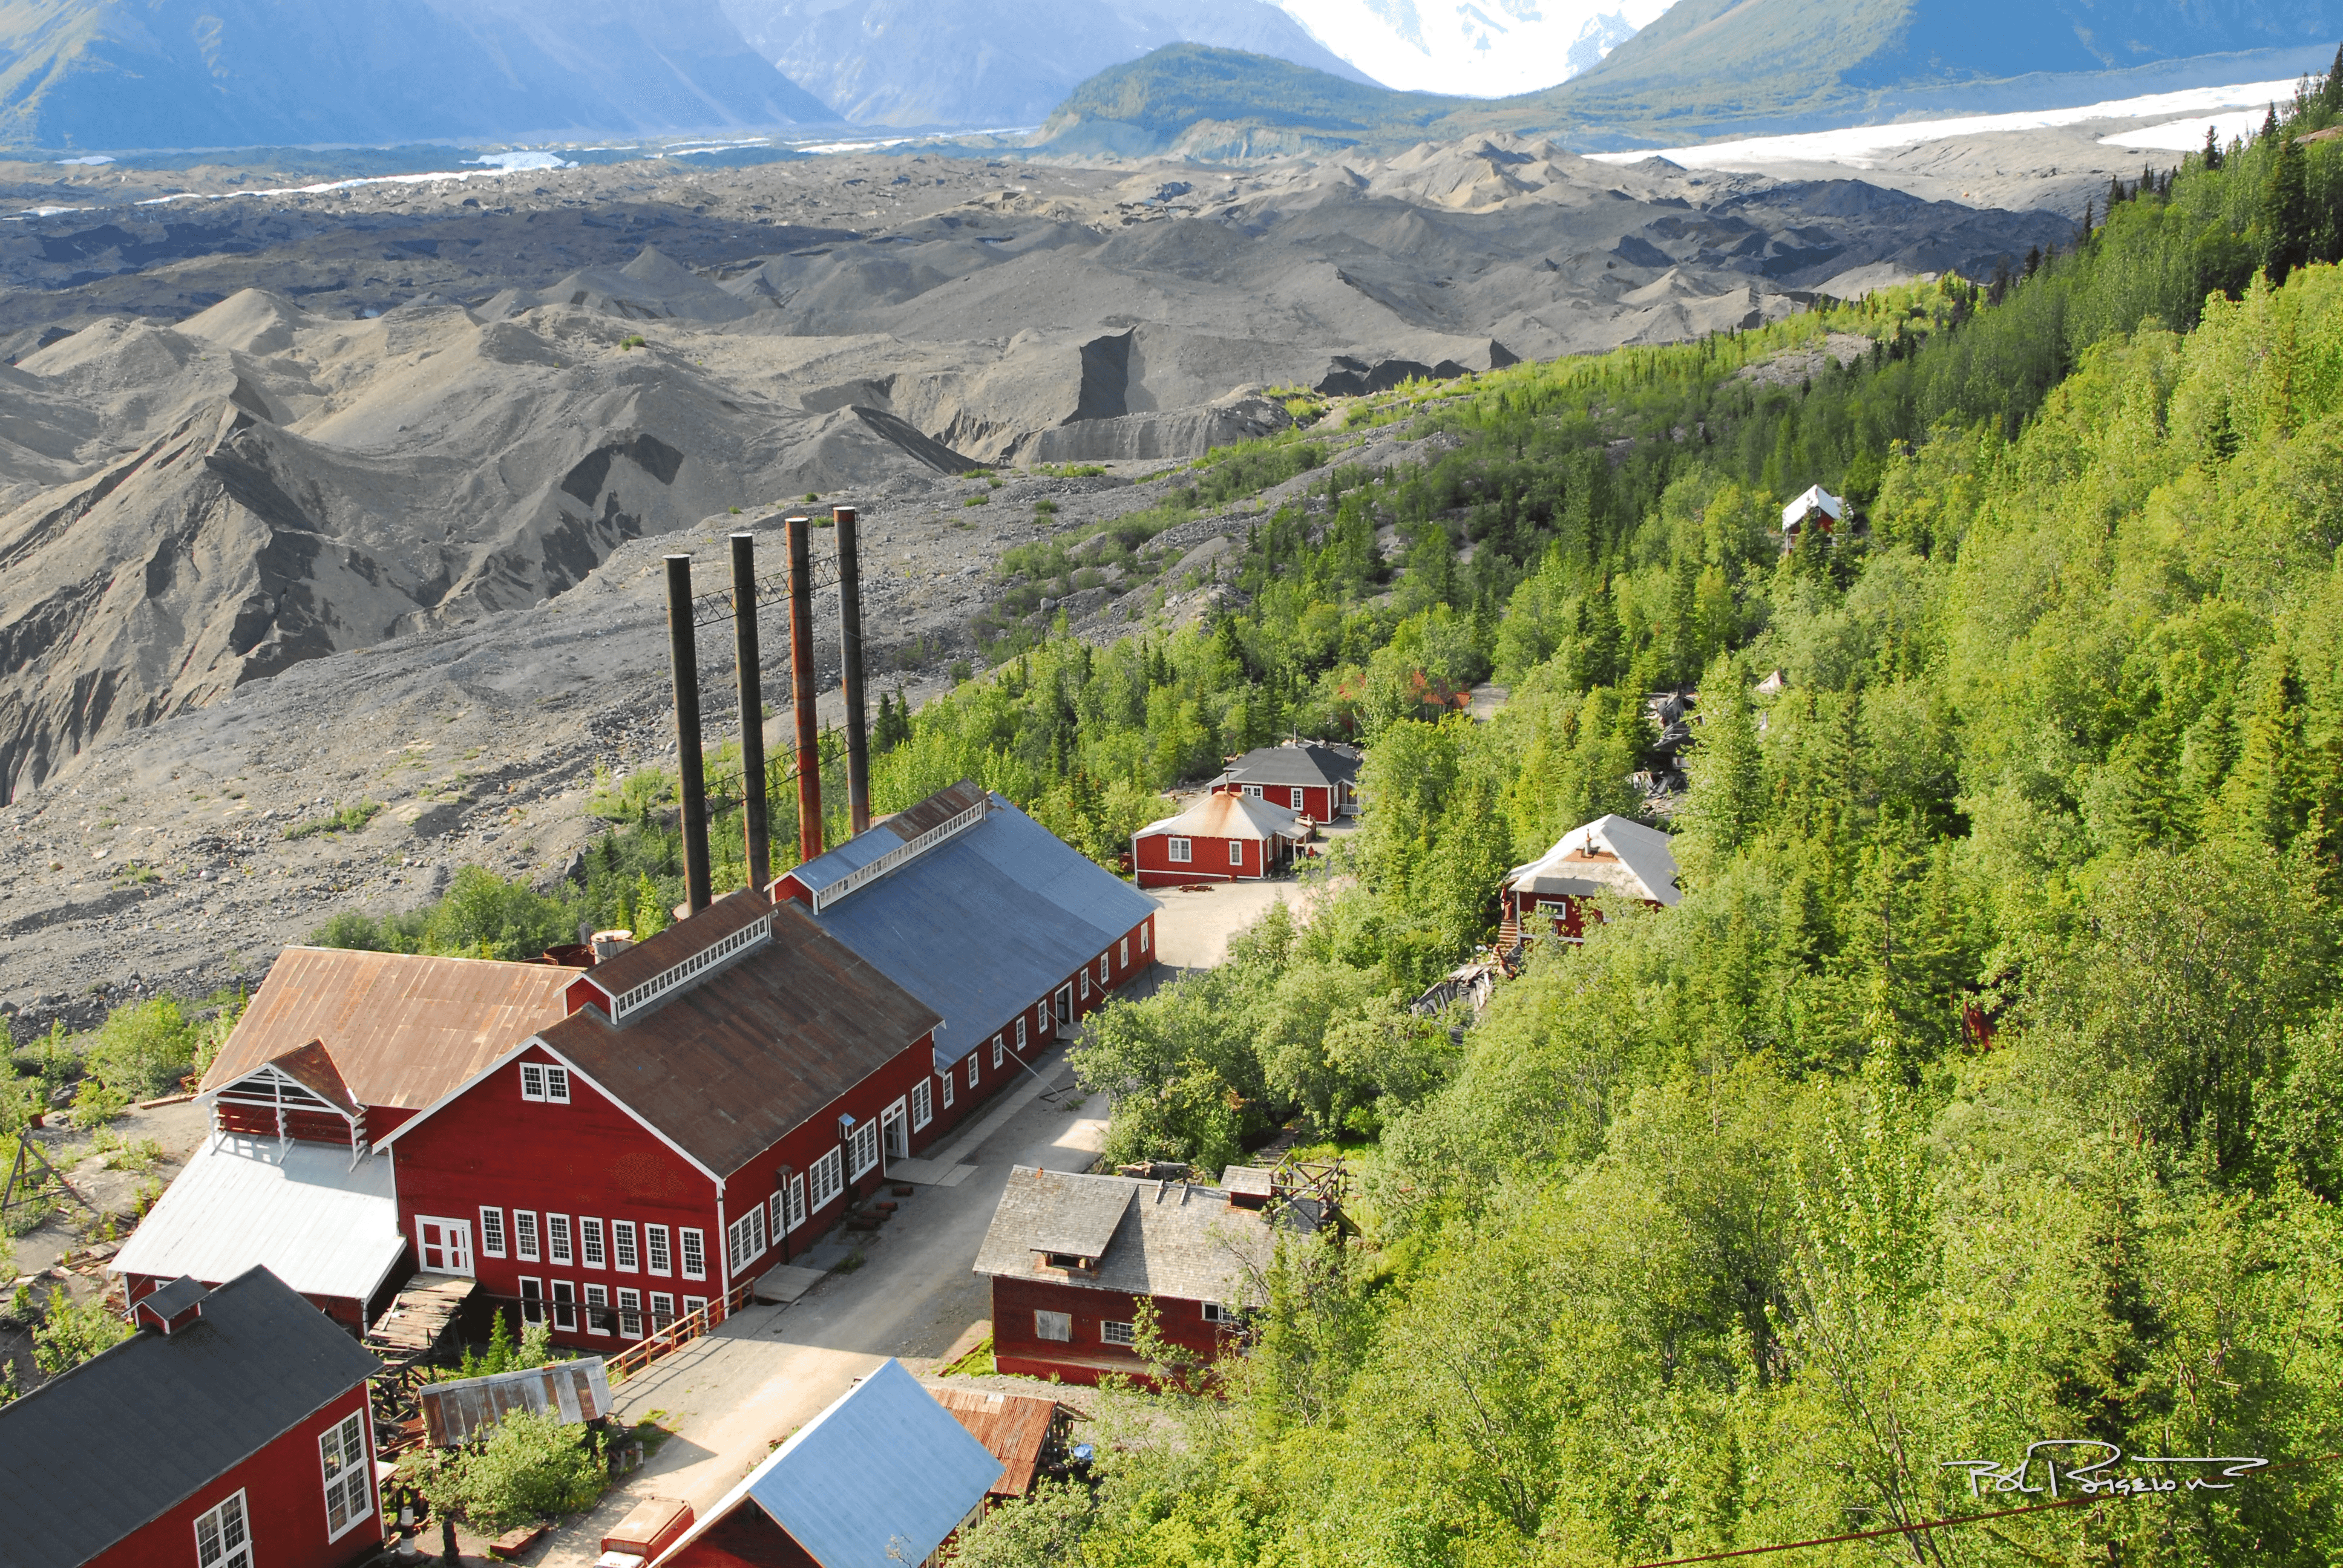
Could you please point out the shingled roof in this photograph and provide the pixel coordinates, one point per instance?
(727, 1063)
(1168, 1238)
(1608, 855)
(98, 1453)
(1310, 763)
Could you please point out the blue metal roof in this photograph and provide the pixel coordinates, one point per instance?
(986, 923)
(851, 856)
(878, 1479)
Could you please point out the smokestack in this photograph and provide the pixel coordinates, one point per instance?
(849, 615)
(756, 832)
(801, 686)
(683, 651)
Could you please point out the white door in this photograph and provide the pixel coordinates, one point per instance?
(445, 1245)
(893, 1132)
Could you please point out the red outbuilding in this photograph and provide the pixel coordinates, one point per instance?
(716, 1092)
(1315, 777)
(1610, 856)
(231, 1431)
(1071, 1257)
(1222, 838)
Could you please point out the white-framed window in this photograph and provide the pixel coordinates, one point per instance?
(630, 1312)
(691, 1244)
(1236, 851)
(828, 1175)
(1216, 1313)
(1181, 850)
(532, 1299)
(1059, 1326)
(777, 1222)
(655, 1255)
(1102, 968)
(444, 1245)
(1122, 953)
(971, 1073)
(598, 1308)
(565, 1306)
(1115, 1333)
(525, 1245)
(1144, 927)
(1020, 1031)
(1065, 999)
(541, 1081)
(662, 1310)
(1086, 982)
(492, 1231)
(694, 1304)
(589, 1244)
(622, 1244)
(556, 1240)
(1298, 797)
(996, 1048)
(866, 1142)
(1250, 792)
(923, 1099)
(224, 1536)
(946, 1080)
(349, 1479)
(744, 1238)
(795, 1210)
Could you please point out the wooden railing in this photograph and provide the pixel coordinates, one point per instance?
(677, 1334)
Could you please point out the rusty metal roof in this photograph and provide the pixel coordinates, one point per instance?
(654, 956)
(312, 1067)
(1015, 1428)
(402, 1030)
(728, 1064)
(577, 1390)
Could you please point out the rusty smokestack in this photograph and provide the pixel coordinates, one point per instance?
(691, 780)
(801, 687)
(755, 831)
(849, 637)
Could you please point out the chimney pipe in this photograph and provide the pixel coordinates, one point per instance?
(756, 832)
(801, 686)
(849, 615)
(691, 779)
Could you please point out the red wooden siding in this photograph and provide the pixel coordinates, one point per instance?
(1317, 801)
(284, 1487)
(307, 1126)
(1017, 1348)
(745, 1538)
(347, 1310)
(1209, 862)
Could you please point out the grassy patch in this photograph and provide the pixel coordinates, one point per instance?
(341, 820)
(978, 1363)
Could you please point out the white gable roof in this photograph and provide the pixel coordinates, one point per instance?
(1230, 817)
(1610, 854)
(1815, 500)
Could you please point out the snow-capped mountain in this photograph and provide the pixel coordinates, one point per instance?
(1484, 47)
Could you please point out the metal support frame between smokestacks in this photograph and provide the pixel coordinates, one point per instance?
(801, 687)
(691, 777)
(756, 831)
(850, 631)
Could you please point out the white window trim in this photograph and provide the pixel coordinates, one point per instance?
(1251, 792)
(1236, 851)
(492, 1231)
(1216, 1313)
(657, 1258)
(1020, 1031)
(630, 1312)
(1144, 926)
(1104, 972)
(1299, 798)
(593, 1252)
(529, 1243)
(998, 1046)
(532, 1299)
(238, 1556)
(459, 1229)
(947, 1080)
(560, 1243)
(1122, 952)
(827, 1178)
(923, 1098)
(1181, 850)
(662, 1308)
(563, 1296)
(624, 1255)
(1086, 982)
(899, 1117)
(552, 1083)
(797, 1210)
(598, 1296)
(356, 1477)
(1129, 1337)
(865, 1151)
(690, 1239)
(972, 1070)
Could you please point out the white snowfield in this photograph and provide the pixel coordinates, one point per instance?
(1482, 48)
(2193, 109)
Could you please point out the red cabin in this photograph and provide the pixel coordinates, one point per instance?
(1008, 933)
(701, 1115)
(1610, 856)
(232, 1431)
(1319, 779)
(1071, 1258)
(1222, 838)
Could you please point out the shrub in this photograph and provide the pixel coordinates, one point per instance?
(530, 1467)
(69, 1335)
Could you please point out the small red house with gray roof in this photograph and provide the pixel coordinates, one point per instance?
(696, 1117)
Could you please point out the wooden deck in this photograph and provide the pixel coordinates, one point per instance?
(419, 1316)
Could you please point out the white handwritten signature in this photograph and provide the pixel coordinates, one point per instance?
(2088, 1468)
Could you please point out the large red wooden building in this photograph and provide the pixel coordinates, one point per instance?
(1010, 934)
(232, 1431)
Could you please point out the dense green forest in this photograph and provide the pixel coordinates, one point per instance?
(1986, 1087)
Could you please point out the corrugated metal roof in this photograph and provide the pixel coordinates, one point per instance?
(91, 1456)
(1231, 817)
(876, 1481)
(1014, 1427)
(301, 1210)
(886, 836)
(1177, 1240)
(654, 956)
(1307, 764)
(986, 922)
(728, 1064)
(402, 1030)
(312, 1067)
(577, 1390)
(1610, 854)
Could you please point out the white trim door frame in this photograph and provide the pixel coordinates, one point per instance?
(895, 1134)
(444, 1246)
